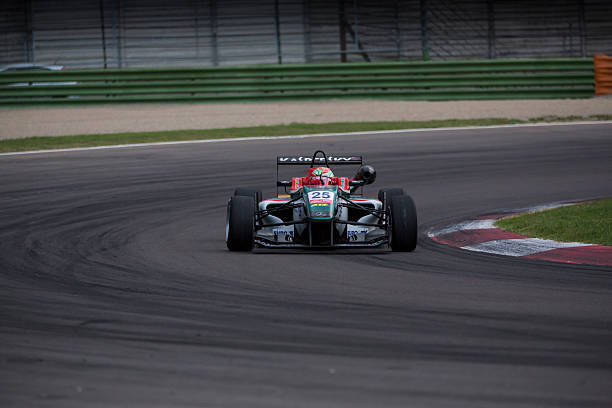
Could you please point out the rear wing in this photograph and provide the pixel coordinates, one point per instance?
(332, 160)
(307, 160)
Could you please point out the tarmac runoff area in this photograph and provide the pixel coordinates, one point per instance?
(81, 120)
(480, 235)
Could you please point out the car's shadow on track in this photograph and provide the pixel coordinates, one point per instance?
(316, 251)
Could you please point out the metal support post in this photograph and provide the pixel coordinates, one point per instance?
(356, 25)
(306, 30)
(491, 19)
(342, 27)
(103, 31)
(277, 37)
(196, 28)
(398, 32)
(29, 45)
(570, 31)
(116, 34)
(213, 33)
(582, 28)
(424, 31)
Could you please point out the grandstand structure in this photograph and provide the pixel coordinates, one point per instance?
(199, 33)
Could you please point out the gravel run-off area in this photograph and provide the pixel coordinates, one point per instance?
(79, 120)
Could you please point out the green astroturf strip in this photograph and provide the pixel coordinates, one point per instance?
(65, 142)
(589, 222)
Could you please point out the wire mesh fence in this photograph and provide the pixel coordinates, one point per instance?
(158, 33)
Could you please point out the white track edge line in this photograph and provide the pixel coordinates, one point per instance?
(239, 139)
(463, 226)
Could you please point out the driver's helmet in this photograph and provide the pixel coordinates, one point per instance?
(319, 176)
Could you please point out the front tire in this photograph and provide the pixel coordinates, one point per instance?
(403, 224)
(249, 192)
(385, 194)
(240, 223)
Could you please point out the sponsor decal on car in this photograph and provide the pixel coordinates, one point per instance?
(356, 233)
(325, 197)
(283, 233)
(305, 159)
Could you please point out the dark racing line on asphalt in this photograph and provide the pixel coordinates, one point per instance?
(118, 288)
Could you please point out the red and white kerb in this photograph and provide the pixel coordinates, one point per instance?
(481, 235)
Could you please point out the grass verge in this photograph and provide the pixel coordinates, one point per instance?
(65, 142)
(589, 222)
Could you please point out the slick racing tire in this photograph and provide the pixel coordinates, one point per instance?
(385, 194)
(249, 192)
(403, 224)
(240, 222)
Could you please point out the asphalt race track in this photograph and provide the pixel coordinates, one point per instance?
(117, 288)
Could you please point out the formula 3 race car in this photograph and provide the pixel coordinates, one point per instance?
(321, 211)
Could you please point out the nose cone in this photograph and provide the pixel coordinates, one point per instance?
(320, 202)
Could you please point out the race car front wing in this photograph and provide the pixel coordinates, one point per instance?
(376, 237)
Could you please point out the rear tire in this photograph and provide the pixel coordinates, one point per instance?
(240, 223)
(385, 194)
(403, 224)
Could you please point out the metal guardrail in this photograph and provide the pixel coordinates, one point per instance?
(439, 80)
